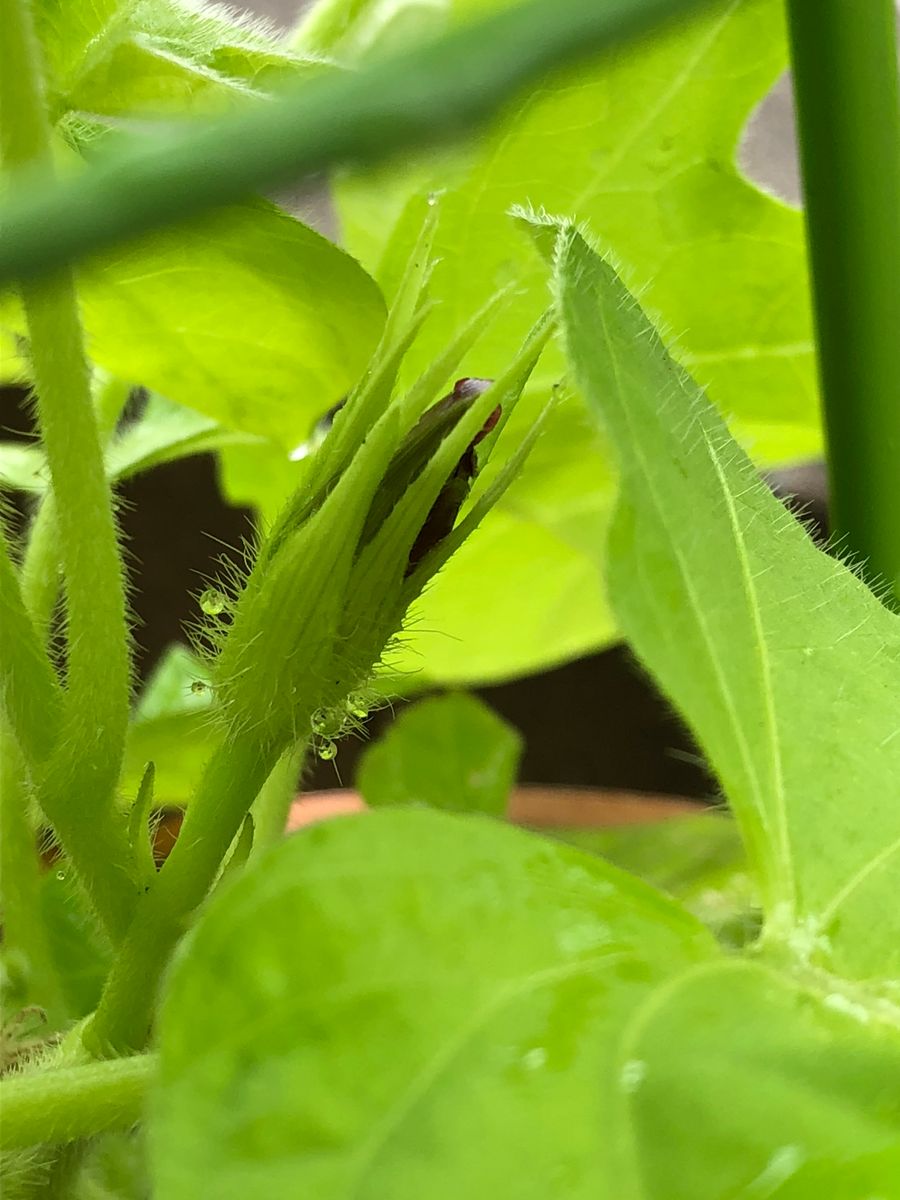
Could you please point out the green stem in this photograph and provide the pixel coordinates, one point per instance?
(848, 114)
(39, 575)
(232, 779)
(432, 92)
(110, 397)
(30, 695)
(77, 794)
(20, 885)
(273, 804)
(57, 1106)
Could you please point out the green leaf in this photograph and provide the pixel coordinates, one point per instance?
(742, 1077)
(875, 1174)
(14, 365)
(174, 728)
(23, 467)
(642, 147)
(445, 1031)
(699, 860)
(784, 664)
(449, 752)
(248, 317)
(80, 952)
(164, 433)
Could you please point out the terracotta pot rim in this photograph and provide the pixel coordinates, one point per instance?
(534, 805)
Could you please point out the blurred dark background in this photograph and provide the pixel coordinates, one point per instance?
(596, 722)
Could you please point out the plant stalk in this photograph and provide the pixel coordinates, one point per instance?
(272, 806)
(848, 115)
(62, 1105)
(434, 91)
(20, 885)
(77, 790)
(232, 779)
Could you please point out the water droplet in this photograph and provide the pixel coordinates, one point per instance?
(583, 937)
(432, 199)
(632, 1075)
(320, 721)
(326, 750)
(60, 875)
(535, 1058)
(213, 602)
(198, 686)
(356, 705)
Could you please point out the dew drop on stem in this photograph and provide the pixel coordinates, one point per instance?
(212, 602)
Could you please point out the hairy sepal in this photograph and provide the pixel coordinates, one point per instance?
(280, 660)
(387, 555)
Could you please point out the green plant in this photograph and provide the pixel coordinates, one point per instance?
(419, 1001)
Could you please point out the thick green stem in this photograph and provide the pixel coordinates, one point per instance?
(20, 885)
(77, 793)
(40, 573)
(232, 779)
(57, 1106)
(432, 92)
(273, 804)
(39, 576)
(848, 115)
(30, 695)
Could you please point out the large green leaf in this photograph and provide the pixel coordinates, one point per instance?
(785, 665)
(408, 1004)
(448, 752)
(246, 316)
(642, 146)
(742, 1077)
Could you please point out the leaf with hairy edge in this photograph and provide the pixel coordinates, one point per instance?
(784, 663)
(157, 58)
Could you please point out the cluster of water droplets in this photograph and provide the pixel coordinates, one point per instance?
(326, 725)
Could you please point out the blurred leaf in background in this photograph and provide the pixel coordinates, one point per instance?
(448, 752)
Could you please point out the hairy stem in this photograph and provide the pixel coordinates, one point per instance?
(848, 114)
(230, 783)
(63, 1105)
(77, 792)
(20, 884)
